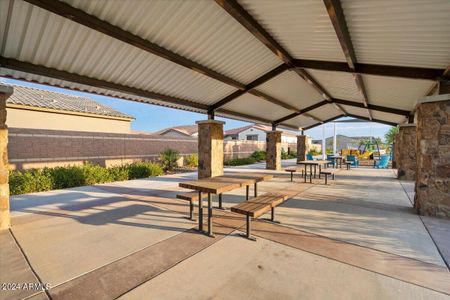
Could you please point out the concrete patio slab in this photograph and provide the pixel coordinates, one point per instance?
(105, 240)
(14, 269)
(66, 242)
(268, 270)
(374, 213)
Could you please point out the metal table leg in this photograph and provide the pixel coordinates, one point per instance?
(247, 191)
(220, 201)
(315, 169)
(210, 215)
(256, 190)
(200, 212)
(305, 172)
(320, 170)
(310, 173)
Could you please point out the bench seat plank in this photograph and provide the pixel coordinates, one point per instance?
(190, 196)
(259, 205)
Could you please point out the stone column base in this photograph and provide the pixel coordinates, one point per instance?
(210, 148)
(5, 218)
(273, 150)
(433, 157)
(301, 147)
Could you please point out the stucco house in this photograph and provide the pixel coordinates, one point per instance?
(180, 131)
(257, 132)
(39, 109)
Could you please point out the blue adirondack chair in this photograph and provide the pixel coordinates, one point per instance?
(353, 160)
(382, 163)
(309, 157)
(331, 160)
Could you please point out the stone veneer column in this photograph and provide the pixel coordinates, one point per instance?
(433, 157)
(273, 150)
(5, 220)
(407, 161)
(210, 148)
(301, 147)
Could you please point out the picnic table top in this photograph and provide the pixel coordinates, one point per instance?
(312, 162)
(221, 184)
(257, 176)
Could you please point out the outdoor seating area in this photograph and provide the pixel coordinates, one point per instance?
(299, 226)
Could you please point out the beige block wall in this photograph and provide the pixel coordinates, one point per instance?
(22, 118)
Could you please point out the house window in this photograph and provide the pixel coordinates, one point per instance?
(252, 137)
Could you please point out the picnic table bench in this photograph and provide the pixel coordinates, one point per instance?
(328, 172)
(191, 197)
(293, 170)
(218, 185)
(257, 207)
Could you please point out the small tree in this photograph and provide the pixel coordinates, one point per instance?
(168, 159)
(389, 136)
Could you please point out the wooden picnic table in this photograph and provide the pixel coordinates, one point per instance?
(219, 185)
(312, 163)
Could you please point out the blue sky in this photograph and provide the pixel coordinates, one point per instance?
(152, 117)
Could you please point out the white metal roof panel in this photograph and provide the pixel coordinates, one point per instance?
(85, 88)
(303, 28)
(325, 112)
(291, 88)
(395, 92)
(363, 112)
(340, 85)
(301, 121)
(196, 29)
(252, 105)
(46, 39)
(388, 117)
(400, 32)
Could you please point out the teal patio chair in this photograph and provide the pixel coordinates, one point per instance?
(309, 157)
(353, 160)
(331, 160)
(382, 163)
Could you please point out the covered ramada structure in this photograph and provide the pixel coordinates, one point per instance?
(287, 64)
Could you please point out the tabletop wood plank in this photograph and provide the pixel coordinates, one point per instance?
(258, 177)
(216, 185)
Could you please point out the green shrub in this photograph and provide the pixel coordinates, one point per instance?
(67, 177)
(240, 161)
(32, 181)
(168, 159)
(93, 174)
(259, 155)
(144, 169)
(314, 152)
(119, 173)
(191, 160)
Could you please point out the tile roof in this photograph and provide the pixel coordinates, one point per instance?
(256, 126)
(34, 97)
(186, 129)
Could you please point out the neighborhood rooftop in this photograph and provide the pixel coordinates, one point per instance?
(37, 98)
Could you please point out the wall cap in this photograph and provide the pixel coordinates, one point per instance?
(435, 98)
(6, 89)
(407, 125)
(209, 122)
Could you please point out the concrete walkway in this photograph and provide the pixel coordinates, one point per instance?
(355, 238)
